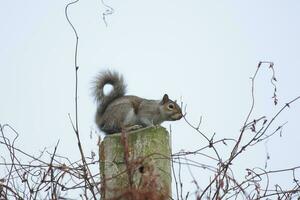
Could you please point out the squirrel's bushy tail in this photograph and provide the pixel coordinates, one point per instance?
(118, 90)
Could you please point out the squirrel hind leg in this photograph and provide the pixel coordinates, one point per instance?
(109, 128)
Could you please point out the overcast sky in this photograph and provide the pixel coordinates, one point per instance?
(201, 51)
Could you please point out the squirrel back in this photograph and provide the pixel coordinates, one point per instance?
(117, 112)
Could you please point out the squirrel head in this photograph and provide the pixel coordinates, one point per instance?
(170, 109)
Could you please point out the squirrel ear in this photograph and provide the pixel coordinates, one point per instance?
(165, 99)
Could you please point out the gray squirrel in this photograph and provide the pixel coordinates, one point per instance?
(117, 111)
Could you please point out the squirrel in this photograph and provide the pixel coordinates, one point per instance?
(118, 112)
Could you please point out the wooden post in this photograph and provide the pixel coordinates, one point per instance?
(136, 165)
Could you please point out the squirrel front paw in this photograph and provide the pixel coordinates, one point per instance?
(132, 128)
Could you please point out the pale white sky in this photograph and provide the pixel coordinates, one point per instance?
(202, 51)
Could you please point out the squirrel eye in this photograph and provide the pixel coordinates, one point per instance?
(171, 106)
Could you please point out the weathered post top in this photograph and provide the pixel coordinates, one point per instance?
(136, 165)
